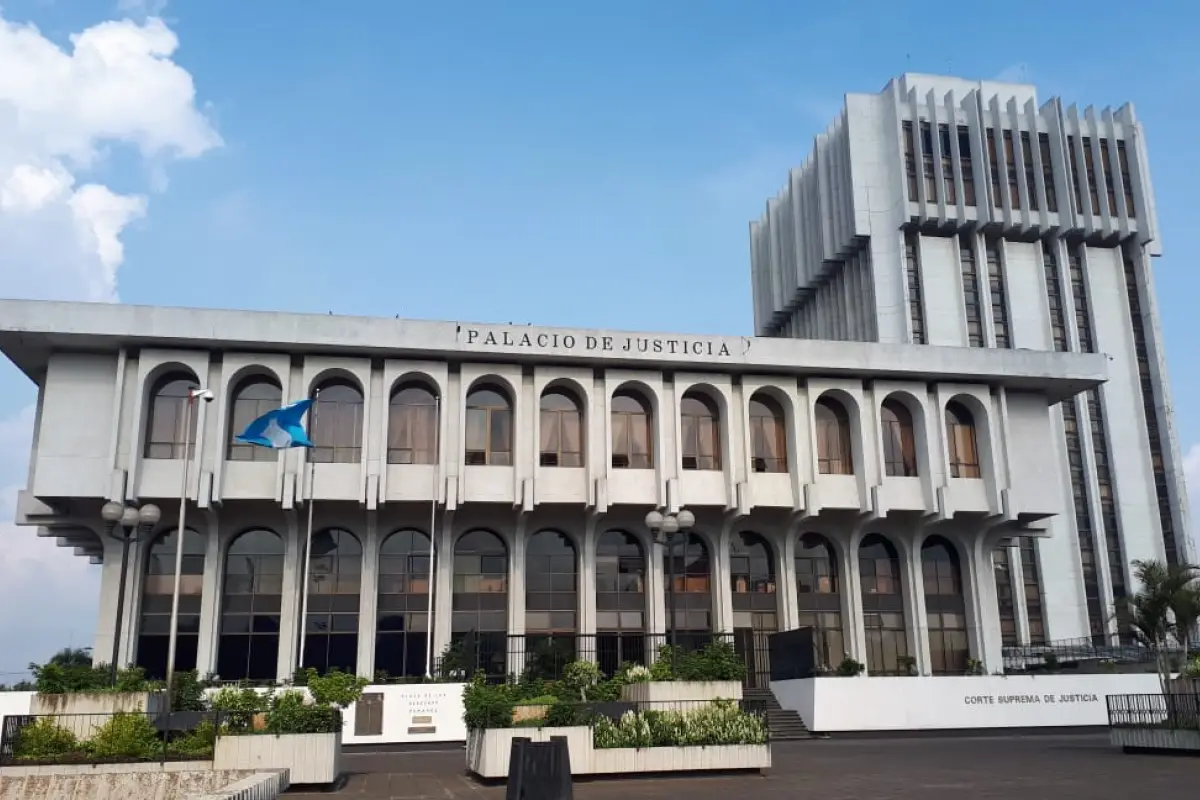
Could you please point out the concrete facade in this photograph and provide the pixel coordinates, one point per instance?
(949, 212)
(87, 453)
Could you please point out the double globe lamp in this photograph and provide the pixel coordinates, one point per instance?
(664, 528)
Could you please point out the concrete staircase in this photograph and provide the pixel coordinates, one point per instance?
(784, 725)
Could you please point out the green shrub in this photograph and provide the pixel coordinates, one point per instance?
(196, 743)
(130, 736)
(716, 661)
(291, 713)
(238, 707)
(719, 723)
(1191, 669)
(543, 700)
(580, 676)
(849, 668)
(44, 741)
(187, 692)
(486, 705)
(335, 688)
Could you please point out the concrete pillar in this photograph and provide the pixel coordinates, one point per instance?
(368, 597)
(294, 582)
(210, 600)
(516, 595)
(443, 601)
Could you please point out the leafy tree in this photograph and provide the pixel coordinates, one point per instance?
(73, 657)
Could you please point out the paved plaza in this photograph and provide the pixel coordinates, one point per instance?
(1030, 767)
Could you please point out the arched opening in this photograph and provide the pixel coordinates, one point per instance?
(336, 423)
(755, 604)
(632, 431)
(250, 604)
(768, 435)
(561, 426)
(412, 425)
(899, 443)
(945, 607)
(818, 590)
(402, 619)
(158, 588)
(479, 625)
(620, 601)
(334, 582)
(689, 606)
(254, 396)
(960, 442)
(551, 603)
(489, 427)
(700, 431)
(169, 434)
(834, 453)
(883, 606)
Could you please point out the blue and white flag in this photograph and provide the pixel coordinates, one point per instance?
(279, 429)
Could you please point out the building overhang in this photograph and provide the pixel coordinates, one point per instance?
(31, 331)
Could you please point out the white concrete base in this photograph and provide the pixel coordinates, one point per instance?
(308, 757)
(488, 754)
(1155, 739)
(830, 705)
(680, 693)
(138, 782)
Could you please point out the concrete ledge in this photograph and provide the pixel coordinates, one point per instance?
(1156, 740)
(104, 769)
(126, 781)
(683, 694)
(260, 786)
(309, 758)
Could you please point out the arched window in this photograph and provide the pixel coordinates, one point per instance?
(412, 426)
(250, 604)
(620, 601)
(334, 581)
(165, 433)
(480, 620)
(253, 397)
(960, 440)
(692, 566)
(632, 431)
(883, 606)
(336, 423)
(834, 454)
(402, 619)
(899, 444)
(818, 590)
(561, 429)
(768, 435)
(945, 607)
(489, 427)
(700, 428)
(158, 587)
(551, 603)
(755, 610)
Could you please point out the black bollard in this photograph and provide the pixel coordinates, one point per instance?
(539, 770)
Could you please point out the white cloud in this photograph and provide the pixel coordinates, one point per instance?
(141, 8)
(61, 111)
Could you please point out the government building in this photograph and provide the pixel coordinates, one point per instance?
(951, 434)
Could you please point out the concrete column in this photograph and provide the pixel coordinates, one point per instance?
(853, 627)
(443, 607)
(915, 617)
(516, 594)
(210, 599)
(368, 597)
(586, 624)
(294, 582)
(106, 617)
(984, 638)
(785, 582)
(656, 589)
(722, 581)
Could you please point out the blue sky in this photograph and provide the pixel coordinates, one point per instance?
(561, 163)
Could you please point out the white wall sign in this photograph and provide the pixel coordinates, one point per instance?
(946, 703)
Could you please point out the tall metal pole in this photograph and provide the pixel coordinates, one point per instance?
(180, 530)
(433, 504)
(312, 496)
(116, 648)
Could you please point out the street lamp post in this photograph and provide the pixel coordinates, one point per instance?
(130, 521)
(663, 528)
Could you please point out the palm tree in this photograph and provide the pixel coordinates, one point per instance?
(1163, 613)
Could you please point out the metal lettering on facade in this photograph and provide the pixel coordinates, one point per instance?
(589, 343)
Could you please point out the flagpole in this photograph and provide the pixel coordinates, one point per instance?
(181, 528)
(312, 496)
(433, 504)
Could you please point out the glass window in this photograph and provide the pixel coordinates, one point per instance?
(700, 430)
(916, 309)
(960, 438)
(253, 397)
(834, 454)
(158, 589)
(489, 427)
(768, 435)
(402, 616)
(620, 601)
(899, 446)
(166, 436)
(632, 432)
(561, 430)
(412, 426)
(752, 573)
(883, 605)
(334, 582)
(692, 569)
(970, 287)
(251, 599)
(479, 623)
(336, 423)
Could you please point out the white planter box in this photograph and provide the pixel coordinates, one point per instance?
(1155, 739)
(488, 754)
(680, 695)
(308, 757)
(84, 713)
